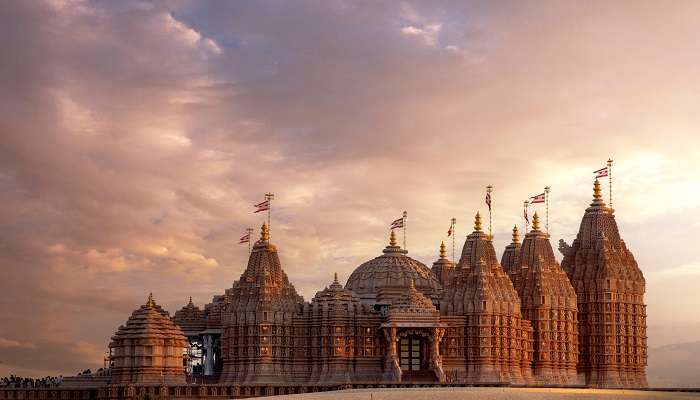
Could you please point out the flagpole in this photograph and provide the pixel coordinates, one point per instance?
(546, 202)
(405, 214)
(269, 197)
(250, 232)
(454, 221)
(525, 203)
(489, 189)
(610, 162)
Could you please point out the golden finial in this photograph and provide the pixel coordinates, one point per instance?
(191, 300)
(535, 222)
(596, 190)
(335, 278)
(477, 222)
(443, 251)
(392, 239)
(264, 233)
(151, 302)
(516, 237)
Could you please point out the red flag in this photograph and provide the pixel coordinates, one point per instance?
(488, 200)
(601, 172)
(397, 224)
(244, 239)
(449, 231)
(264, 206)
(537, 199)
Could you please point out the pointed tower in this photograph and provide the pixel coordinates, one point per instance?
(495, 339)
(148, 349)
(190, 319)
(610, 289)
(548, 300)
(443, 267)
(511, 251)
(257, 339)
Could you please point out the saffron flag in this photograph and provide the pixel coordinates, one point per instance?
(449, 231)
(601, 172)
(537, 199)
(488, 200)
(264, 206)
(244, 239)
(397, 224)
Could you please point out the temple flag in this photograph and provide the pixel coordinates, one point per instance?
(264, 206)
(537, 199)
(244, 239)
(601, 172)
(397, 224)
(488, 200)
(449, 231)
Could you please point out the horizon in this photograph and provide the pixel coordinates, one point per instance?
(136, 136)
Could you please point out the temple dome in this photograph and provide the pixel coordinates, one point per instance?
(148, 348)
(393, 270)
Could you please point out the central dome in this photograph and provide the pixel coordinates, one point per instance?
(393, 271)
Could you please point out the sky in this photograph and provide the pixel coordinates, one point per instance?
(135, 137)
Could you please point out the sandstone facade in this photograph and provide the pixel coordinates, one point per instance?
(524, 320)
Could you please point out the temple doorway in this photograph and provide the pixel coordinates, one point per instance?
(412, 355)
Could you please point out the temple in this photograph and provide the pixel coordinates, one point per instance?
(526, 320)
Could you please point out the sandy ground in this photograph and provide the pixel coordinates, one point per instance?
(488, 394)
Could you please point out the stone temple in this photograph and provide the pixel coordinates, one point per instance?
(523, 320)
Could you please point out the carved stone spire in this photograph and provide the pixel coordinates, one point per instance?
(597, 195)
(151, 303)
(610, 288)
(477, 222)
(335, 278)
(596, 190)
(264, 233)
(535, 222)
(442, 267)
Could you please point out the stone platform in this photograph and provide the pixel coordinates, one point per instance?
(492, 393)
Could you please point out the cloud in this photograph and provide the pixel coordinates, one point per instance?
(427, 34)
(4, 342)
(134, 138)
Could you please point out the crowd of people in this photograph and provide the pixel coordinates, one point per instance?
(14, 381)
(20, 382)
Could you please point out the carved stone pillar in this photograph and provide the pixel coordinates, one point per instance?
(435, 357)
(392, 368)
(208, 342)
